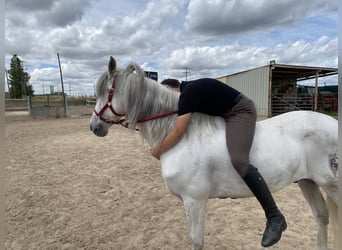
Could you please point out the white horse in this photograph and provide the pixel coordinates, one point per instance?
(298, 146)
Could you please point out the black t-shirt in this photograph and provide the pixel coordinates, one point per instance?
(207, 96)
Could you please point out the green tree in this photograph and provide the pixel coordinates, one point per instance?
(29, 90)
(18, 79)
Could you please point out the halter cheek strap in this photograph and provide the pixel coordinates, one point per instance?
(110, 107)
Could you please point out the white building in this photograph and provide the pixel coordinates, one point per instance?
(273, 87)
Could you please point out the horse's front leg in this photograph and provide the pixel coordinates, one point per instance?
(195, 213)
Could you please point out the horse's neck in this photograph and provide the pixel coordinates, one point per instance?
(200, 124)
(154, 131)
(159, 100)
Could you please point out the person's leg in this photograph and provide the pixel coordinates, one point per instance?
(240, 127)
(240, 132)
(276, 223)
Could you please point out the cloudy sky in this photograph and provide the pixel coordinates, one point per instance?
(210, 38)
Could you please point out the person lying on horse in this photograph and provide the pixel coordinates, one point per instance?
(215, 98)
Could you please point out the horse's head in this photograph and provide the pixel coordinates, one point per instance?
(109, 107)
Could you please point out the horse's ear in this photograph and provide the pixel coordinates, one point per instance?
(111, 65)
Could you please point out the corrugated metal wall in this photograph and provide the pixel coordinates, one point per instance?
(254, 84)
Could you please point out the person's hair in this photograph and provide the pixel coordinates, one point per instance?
(173, 83)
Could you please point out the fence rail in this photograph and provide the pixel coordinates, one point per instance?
(91, 101)
(282, 104)
(52, 105)
(47, 105)
(16, 105)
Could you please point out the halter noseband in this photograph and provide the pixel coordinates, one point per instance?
(109, 106)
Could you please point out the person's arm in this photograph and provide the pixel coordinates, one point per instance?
(174, 136)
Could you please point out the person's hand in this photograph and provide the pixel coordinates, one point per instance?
(155, 153)
(173, 137)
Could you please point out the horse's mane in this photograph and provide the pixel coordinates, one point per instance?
(143, 98)
(101, 84)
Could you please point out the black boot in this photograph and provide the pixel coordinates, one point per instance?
(276, 223)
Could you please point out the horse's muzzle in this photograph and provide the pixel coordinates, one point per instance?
(98, 127)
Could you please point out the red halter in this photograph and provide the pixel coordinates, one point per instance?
(122, 121)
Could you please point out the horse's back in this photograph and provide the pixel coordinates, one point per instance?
(302, 119)
(281, 148)
(306, 127)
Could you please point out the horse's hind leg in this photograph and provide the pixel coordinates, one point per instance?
(195, 213)
(318, 206)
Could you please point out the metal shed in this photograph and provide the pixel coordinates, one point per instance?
(273, 87)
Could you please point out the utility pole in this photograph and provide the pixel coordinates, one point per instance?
(187, 72)
(6, 72)
(316, 92)
(60, 72)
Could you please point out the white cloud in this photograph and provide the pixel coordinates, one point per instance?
(44, 75)
(236, 16)
(40, 13)
(20, 43)
(221, 60)
(29, 5)
(212, 37)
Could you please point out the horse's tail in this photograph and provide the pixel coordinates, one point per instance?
(333, 214)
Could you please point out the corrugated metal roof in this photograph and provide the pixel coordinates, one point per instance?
(284, 71)
(297, 72)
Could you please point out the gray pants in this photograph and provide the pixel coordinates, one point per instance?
(240, 127)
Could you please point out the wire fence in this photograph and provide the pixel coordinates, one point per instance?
(47, 105)
(325, 103)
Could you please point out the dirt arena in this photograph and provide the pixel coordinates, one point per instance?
(68, 189)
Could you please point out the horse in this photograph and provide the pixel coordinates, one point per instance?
(295, 147)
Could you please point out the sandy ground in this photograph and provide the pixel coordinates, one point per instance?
(68, 189)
